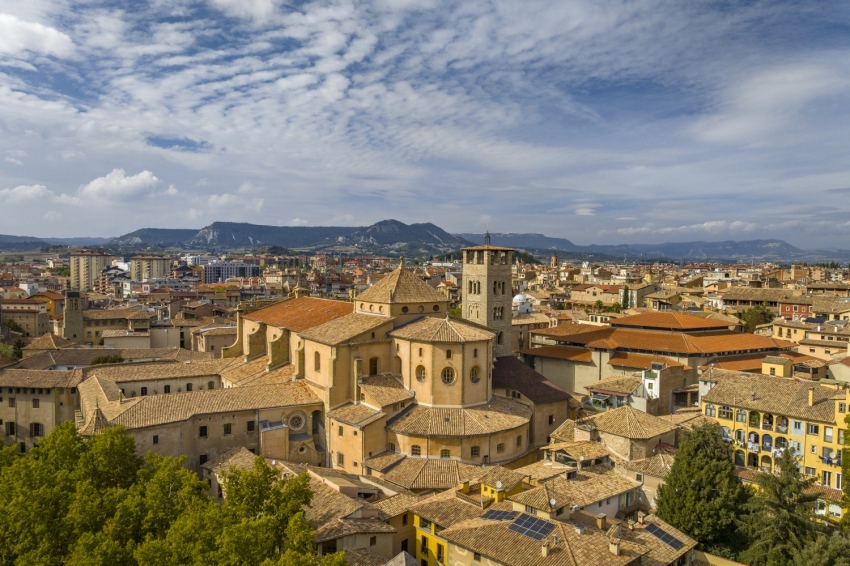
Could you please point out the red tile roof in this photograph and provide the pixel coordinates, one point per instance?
(560, 352)
(668, 321)
(301, 313)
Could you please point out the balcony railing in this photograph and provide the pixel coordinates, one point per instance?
(782, 428)
(767, 426)
(753, 447)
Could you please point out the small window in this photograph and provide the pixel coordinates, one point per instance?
(339, 431)
(373, 541)
(36, 430)
(250, 426)
(202, 431)
(530, 510)
(436, 308)
(188, 387)
(420, 352)
(415, 450)
(166, 389)
(35, 403)
(420, 373)
(519, 441)
(404, 520)
(392, 447)
(813, 429)
(725, 412)
(444, 453)
(211, 385)
(11, 401)
(340, 459)
(551, 419)
(475, 353)
(203, 459)
(144, 390)
(710, 411)
(228, 429)
(373, 366)
(639, 477)
(156, 439)
(448, 354)
(500, 448)
(474, 375)
(448, 376)
(317, 362)
(475, 451)
(842, 407)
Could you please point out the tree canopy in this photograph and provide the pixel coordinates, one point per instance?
(701, 496)
(94, 502)
(755, 316)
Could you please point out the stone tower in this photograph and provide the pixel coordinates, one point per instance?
(487, 291)
(72, 324)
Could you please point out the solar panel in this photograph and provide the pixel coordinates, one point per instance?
(664, 536)
(531, 527)
(499, 515)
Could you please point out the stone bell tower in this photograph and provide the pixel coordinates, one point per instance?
(487, 290)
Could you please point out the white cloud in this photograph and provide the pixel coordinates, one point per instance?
(117, 185)
(25, 192)
(298, 222)
(13, 161)
(18, 36)
(246, 8)
(584, 211)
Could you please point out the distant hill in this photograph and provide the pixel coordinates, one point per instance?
(392, 232)
(81, 242)
(155, 237)
(244, 235)
(537, 241)
(20, 243)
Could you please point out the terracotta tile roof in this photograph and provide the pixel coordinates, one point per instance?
(116, 333)
(445, 509)
(689, 418)
(509, 478)
(658, 552)
(425, 473)
(619, 384)
(48, 341)
(560, 353)
(642, 361)
(775, 395)
(401, 286)
(217, 331)
(397, 504)
(355, 414)
(109, 314)
(510, 373)
(544, 470)
(152, 410)
(496, 542)
(439, 329)
(752, 362)
(124, 372)
(302, 313)
(384, 461)
(362, 557)
(384, 389)
(579, 449)
(500, 414)
(342, 527)
(830, 304)
(529, 318)
(344, 328)
(657, 465)
(668, 321)
(591, 484)
(673, 342)
(39, 378)
(628, 423)
(565, 432)
(564, 329)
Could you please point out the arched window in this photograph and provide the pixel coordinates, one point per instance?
(144, 390)
(373, 366)
(474, 376)
(317, 362)
(448, 376)
(725, 412)
(499, 338)
(420, 373)
(448, 354)
(444, 453)
(420, 352)
(741, 416)
(710, 410)
(415, 450)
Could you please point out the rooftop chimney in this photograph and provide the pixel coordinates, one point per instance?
(811, 397)
(544, 550)
(641, 516)
(579, 529)
(614, 547)
(601, 521)
(464, 486)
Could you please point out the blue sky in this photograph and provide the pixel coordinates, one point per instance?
(600, 121)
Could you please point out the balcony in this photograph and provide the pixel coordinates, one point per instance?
(767, 426)
(753, 447)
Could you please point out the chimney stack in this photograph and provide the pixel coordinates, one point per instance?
(614, 547)
(601, 521)
(544, 550)
(641, 516)
(464, 486)
(579, 529)
(811, 397)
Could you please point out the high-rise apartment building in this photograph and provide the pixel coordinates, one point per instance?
(86, 266)
(220, 271)
(149, 267)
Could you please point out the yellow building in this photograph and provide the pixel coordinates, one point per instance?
(763, 415)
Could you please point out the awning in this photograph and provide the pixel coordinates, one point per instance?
(599, 397)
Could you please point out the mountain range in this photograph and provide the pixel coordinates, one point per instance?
(419, 240)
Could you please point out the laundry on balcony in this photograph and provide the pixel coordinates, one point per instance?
(753, 447)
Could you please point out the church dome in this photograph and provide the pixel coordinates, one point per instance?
(520, 298)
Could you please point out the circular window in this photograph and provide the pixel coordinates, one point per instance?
(420, 373)
(474, 376)
(436, 308)
(448, 376)
(404, 310)
(301, 450)
(371, 307)
(381, 309)
(297, 421)
(362, 306)
(421, 308)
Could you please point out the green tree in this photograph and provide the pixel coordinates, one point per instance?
(780, 516)
(845, 469)
(824, 551)
(626, 297)
(755, 316)
(18, 348)
(13, 326)
(598, 305)
(702, 496)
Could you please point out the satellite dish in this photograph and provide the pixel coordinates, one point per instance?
(552, 502)
(832, 454)
(581, 458)
(498, 485)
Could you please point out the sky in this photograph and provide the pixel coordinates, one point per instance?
(601, 121)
